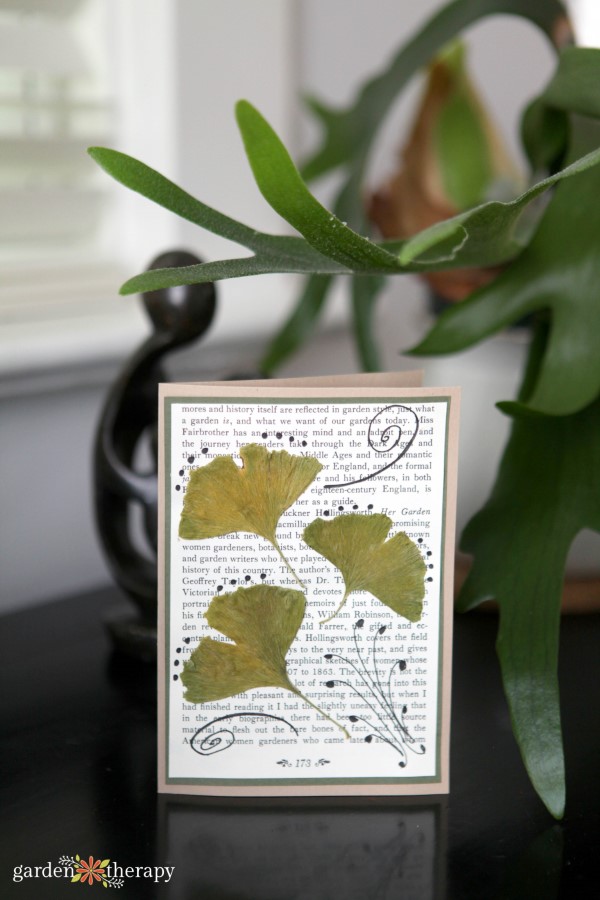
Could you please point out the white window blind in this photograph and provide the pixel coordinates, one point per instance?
(154, 78)
(54, 103)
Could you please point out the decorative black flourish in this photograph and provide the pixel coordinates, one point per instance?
(388, 438)
(376, 693)
(217, 741)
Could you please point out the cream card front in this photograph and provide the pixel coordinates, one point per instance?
(306, 545)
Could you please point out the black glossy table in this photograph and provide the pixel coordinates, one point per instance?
(78, 765)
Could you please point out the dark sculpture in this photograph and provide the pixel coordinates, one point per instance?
(128, 426)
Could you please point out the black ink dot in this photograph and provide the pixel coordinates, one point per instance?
(326, 513)
(419, 540)
(430, 553)
(291, 438)
(246, 578)
(360, 623)
(430, 566)
(186, 640)
(219, 587)
(401, 764)
(368, 739)
(353, 718)
(178, 650)
(402, 665)
(340, 508)
(279, 435)
(422, 748)
(263, 575)
(370, 506)
(181, 472)
(355, 506)
(177, 487)
(205, 449)
(329, 656)
(264, 435)
(176, 662)
(175, 677)
(429, 579)
(382, 629)
(330, 684)
(404, 710)
(304, 443)
(191, 459)
(233, 581)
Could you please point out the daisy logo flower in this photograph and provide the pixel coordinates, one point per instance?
(92, 871)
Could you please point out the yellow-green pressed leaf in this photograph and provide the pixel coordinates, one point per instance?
(222, 498)
(261, 621)
(393, 571)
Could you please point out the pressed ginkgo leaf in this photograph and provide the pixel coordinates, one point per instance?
(393, 571)
(261, 621)
(222, 498)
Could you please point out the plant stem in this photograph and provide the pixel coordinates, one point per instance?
(334, 614)
(279, 550)
(321, 712)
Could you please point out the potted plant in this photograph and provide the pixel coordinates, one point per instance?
(546, 266)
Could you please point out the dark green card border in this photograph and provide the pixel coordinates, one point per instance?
(165, 448)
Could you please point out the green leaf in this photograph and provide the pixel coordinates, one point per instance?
(545, 135)
(490, 234)
(299, 325)
(462, 149)
(393, 570)
(279, 253)
(572, 89)
(261, 621)
(574, 86)
(486, 235)
(146, 181)
(280, 183)
(365, 291)
(350, 133)
(547, 490)
(274, 253)
(222, 498)
(558, 271)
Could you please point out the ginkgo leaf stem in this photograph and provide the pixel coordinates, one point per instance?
(321, 712)
(287, 563)
(335, 612)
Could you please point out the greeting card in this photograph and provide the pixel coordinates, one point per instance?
(306, 545)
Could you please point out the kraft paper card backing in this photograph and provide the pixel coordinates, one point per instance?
(306, 547)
